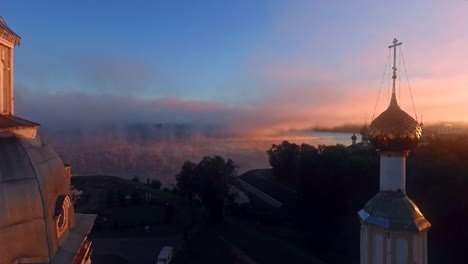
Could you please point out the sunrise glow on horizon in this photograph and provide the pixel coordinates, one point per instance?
(244, 65)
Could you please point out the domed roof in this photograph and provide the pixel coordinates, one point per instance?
(353, 137)
(394, 129)
(393, 211)
(32, 180)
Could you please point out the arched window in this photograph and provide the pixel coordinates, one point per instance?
(62, 207)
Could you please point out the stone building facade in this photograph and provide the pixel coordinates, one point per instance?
(37, 221)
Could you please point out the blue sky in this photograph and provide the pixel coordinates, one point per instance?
(242, 58)
(194, 45)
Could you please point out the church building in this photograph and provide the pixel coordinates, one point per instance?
(393, 229)
(37, 221)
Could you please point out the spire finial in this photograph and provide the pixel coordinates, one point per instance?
(394, 46)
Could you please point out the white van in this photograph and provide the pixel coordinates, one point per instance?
(165, 255)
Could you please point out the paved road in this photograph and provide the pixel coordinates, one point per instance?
(138, 250)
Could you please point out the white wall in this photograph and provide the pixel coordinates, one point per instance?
(401, 252)
(378, 248)
(392, 172)
(364, 244)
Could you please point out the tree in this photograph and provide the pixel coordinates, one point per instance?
(186, 181)
(156, 184)
(282, 159)
(212, 180)
(306, 163)
(217, 179)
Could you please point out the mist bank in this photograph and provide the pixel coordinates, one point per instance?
(158, 150)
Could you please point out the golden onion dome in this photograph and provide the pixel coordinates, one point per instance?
(394, 129)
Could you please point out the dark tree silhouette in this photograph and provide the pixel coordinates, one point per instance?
(212, 180)
(283, 159)
(156, 184)
(186, 181)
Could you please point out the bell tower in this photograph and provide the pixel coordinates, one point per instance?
(393, 229)
(8, 40)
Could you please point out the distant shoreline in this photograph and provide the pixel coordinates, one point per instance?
(354, 128)
(347, 128)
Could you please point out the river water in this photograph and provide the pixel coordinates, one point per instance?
(163, 159)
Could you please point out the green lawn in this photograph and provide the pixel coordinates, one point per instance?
(120, 216)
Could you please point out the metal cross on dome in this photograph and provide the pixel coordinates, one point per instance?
(394, 46)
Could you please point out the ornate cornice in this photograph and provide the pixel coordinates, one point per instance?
(9, 37)
(8, 34)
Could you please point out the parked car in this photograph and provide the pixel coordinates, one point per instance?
(165, 255)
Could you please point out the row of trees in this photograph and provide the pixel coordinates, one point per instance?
(212, 181)
(327, 174)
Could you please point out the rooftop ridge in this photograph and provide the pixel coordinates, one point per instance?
(8, 34)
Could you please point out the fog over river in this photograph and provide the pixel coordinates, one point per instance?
(148, 156)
